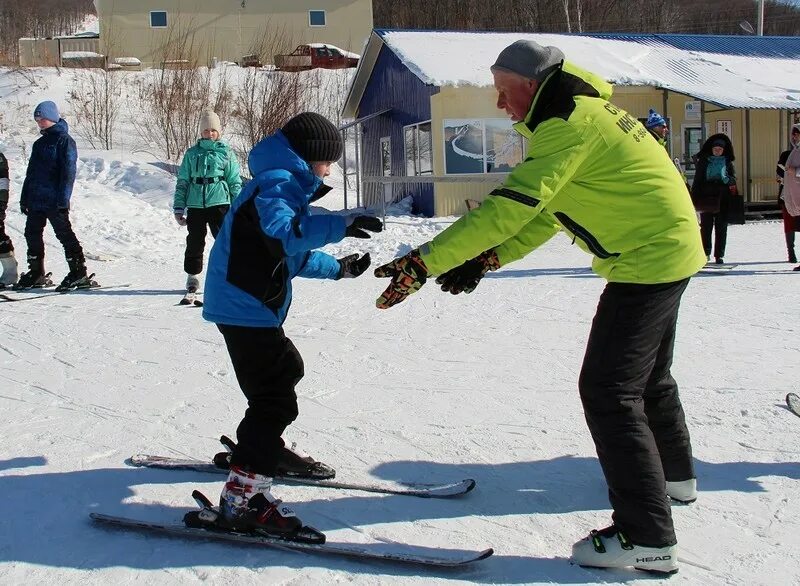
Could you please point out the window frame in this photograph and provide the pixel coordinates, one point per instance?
(324, 18)
(388, 141)
(417, 160)
(166, 19)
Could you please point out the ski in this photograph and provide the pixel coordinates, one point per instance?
(447, 490)
(793, 403)
(379, 551)
(7, 298)
(191, 300)
(714, 267)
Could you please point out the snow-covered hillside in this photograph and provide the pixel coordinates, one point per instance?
(436, 389)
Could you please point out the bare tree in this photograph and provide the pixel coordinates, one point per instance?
(172, 97)
(95, 99)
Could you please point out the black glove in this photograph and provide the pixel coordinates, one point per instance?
(356, 226)
(351, 266)
(465, 278)
(23, 209)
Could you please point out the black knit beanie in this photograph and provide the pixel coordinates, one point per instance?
(314, 137)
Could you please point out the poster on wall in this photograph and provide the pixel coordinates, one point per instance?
(725, 127)
(463, 146)
(481, 146)
(691, 110)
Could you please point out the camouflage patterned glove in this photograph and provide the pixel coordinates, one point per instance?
(465, 277)
(408, 275)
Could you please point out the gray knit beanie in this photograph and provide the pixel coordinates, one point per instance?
(528, 59)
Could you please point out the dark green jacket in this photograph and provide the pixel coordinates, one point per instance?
(208, 176)
(594, 172)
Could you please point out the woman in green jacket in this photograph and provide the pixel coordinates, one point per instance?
(208, 180)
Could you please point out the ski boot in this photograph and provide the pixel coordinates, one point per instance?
(35, 278)
(292, 462)
(684, 492)
(610, 548)
(246, 505)
(192, 287)
(77, 277)
(295, 463)
(9, 266)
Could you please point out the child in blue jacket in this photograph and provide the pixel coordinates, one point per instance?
(267, 238)
(45, 197)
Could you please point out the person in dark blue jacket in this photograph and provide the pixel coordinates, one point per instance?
(45, 197)
(267, 238)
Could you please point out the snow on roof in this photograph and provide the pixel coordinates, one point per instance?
(729, 80)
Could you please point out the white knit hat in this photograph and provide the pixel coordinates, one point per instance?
(210, 121)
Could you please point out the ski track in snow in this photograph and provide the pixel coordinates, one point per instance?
(438, 388)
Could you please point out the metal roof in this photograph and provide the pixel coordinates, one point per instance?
(742, 45)
(734, 71)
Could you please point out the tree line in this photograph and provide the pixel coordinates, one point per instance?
(42, 18)
(560, 16)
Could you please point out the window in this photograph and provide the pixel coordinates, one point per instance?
(386, 156)
(158, 19)
(481, 146)
(316, 18)
(418, 149)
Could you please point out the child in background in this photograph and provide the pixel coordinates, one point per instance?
(208, 180)
(46, 195)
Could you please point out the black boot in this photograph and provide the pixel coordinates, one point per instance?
(35, 278)
(77, 277)
(790, 246)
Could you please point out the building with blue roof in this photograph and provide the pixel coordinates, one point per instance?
(423, 105)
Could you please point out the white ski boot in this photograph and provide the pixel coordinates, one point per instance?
(192, 284)
(609, 548)
(9, 265)
(684, 491)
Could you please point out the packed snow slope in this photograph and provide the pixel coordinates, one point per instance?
(436, 389)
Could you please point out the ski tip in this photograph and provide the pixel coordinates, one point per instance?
(489, 552)
(470, 484)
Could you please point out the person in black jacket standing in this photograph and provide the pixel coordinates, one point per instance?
(45, 197)
(714, 184)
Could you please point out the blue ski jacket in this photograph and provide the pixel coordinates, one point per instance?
(51, 170)
(268, 237)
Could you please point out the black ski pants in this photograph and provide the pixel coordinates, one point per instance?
(197, 219)
(267, 366)
(632, 406)
(718, 223)
(59, 220)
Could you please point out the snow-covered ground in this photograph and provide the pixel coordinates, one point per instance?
(435, 389)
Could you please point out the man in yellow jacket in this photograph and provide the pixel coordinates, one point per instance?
(594, 172)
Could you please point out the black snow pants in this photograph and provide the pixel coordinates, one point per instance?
(718, 223)
(196, 221)
(267, 366)
(632, 406)
(59, 220)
